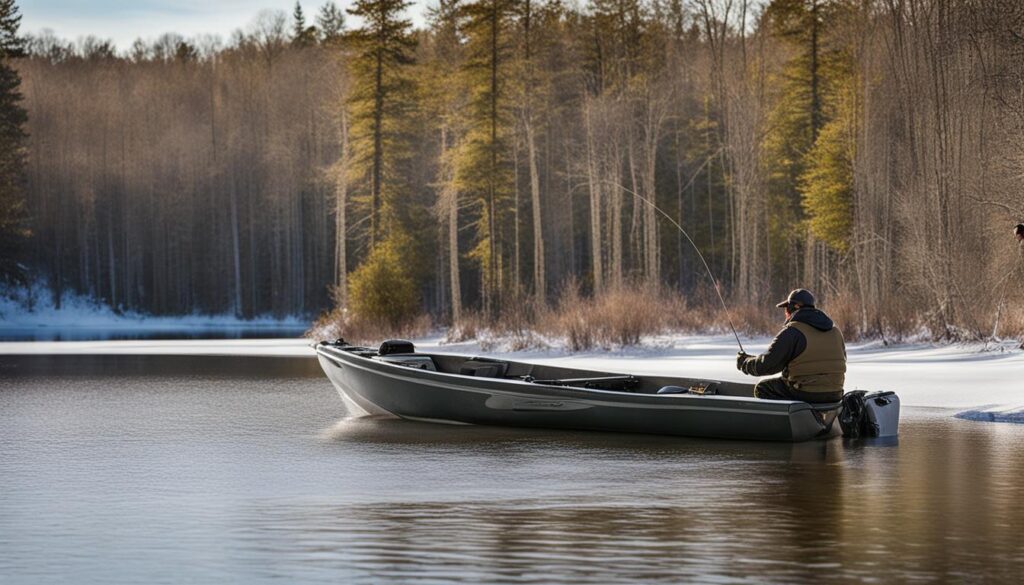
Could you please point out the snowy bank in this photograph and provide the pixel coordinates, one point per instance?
(277, 347)
(30, 314)
(1010, 414)
(984, 385)
(944, 376)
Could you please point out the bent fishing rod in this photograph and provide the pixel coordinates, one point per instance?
(711, 274)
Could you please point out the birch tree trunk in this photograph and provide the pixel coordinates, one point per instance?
(449, 212)
(539, 279)
(453, 252)
(517, 282)
(615, 220)
(636, 244)
(655, 113)
(594, 181)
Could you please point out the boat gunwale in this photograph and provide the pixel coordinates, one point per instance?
(593, 395)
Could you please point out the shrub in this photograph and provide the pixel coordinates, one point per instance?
(381, 290)
(618, 317)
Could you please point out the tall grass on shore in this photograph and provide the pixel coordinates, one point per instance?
(626, 316)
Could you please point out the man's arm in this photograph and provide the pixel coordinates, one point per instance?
(788, 344)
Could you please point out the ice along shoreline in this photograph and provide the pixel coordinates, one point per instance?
(977, 385)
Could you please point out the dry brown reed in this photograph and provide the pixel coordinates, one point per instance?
(339, 324)
(624, 317)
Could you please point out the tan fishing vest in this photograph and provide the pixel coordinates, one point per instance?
(822, 365)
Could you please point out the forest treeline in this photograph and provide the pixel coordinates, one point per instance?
(184, 176)
(510, 154)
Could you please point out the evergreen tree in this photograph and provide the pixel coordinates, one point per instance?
(483, 165)
(801, 111)
(827, 183)
(802, 23)
(185, 52)
(302, 35)
(330, 23)
(382, 290)
(381, 105)
(14, 229)
(380, 102)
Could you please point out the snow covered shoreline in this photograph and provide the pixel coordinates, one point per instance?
(30, 314)
(979, 385)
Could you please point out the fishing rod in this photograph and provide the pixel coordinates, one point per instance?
(711, 274)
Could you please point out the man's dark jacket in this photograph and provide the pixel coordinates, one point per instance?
(821, 369)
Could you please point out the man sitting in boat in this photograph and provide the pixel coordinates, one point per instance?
(809, 351)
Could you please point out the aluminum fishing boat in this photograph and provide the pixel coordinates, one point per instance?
(396, 380)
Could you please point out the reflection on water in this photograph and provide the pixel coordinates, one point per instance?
(170, 331)
(173, 469)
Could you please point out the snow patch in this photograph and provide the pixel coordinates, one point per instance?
(30, 313)
(277, 347)
(979, 383)
(988, 378)
(1010, 414)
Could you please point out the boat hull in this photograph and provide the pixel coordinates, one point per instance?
(378, 387)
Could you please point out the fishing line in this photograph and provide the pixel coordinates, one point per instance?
(711, 274)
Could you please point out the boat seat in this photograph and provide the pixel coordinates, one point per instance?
(417, 362)
(483, 369)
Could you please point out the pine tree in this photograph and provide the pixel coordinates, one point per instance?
(380, 103)
(801, 112)
(827, 184)
(14, 228)
(330, 23)
(302, 35)
(184, 52)
(381, 108)
(483, 165)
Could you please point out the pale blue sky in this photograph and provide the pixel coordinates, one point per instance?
(125, 20)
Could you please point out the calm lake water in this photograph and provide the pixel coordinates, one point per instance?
(215, 469)
(168, 331)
